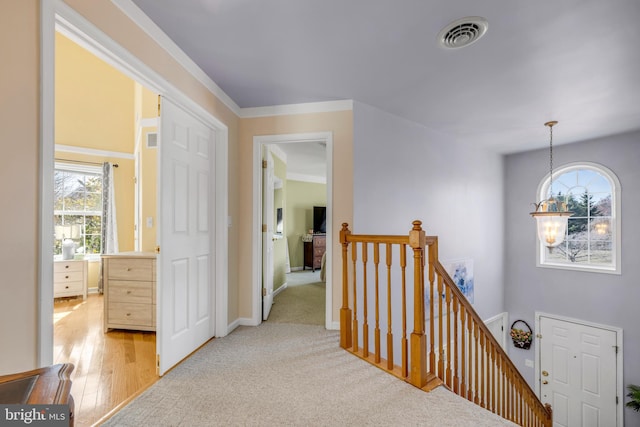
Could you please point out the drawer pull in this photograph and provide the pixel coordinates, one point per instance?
(66, 266)
(128, 268)
(128, 314)
(66, 277)
(128, 292)
(66, 287)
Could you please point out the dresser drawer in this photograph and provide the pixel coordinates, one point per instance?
(130, 314)
(131, 291)
(130, 269)
(68, 288)
(66, 266)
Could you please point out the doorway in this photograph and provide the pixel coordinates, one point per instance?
(579, 371)
(57, 16)
(260, 143)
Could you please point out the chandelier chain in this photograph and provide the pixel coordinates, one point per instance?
(551, 161)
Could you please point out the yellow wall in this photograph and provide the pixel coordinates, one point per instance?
(147, 108)
(301, 198)
(19, 221)
(20, 138)
(341, 125)
(94, 101)
(95, 109)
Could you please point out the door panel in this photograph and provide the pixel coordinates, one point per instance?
(267, 234)
(185, 296)
(578, 373)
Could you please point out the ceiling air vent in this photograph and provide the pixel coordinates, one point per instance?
(462, 32)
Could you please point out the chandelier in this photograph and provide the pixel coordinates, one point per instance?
(551, 214)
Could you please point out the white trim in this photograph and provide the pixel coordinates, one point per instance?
(297, 268)
(47, 153)
(148, 26)
(280, 289)
(278, 152)
(258, 142)
(93, 152)
(619, 357)
(56, 15)
(148, 122)
(335, 326)
(291, 109)
(617, 224)
(504, 319)
(306, 178)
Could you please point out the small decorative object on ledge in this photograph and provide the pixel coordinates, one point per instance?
(521, 338)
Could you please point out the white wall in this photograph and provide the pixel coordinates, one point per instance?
(403, 172)
(595, 297)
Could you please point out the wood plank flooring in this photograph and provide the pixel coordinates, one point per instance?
(109, 368)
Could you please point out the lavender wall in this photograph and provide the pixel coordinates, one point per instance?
(403, 172)
(594, 297)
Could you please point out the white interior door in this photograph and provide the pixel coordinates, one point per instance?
(578, 373)
(267, 233)
(186, 288)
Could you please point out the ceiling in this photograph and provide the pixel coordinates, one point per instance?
(575, 61)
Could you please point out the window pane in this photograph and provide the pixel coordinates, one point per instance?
(590, 239)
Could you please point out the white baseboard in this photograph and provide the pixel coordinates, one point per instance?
(297, 268)
(334, 326)
(280, 289)
(240, 321)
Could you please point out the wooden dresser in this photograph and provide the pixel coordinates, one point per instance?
(130, 291)
(314, 250)
(70, 278)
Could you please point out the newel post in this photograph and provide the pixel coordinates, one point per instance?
(417, 241)
(345, 311)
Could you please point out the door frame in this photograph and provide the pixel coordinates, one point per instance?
(619, 357)
(58, 16)
(258, 143)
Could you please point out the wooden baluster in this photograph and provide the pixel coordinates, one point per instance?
(447, 340)
(476, 397)
(456, 361)
(432, 318)
(405, 347)
(365, 304)
(354, 332)
(417, 241)
(345, 311)
(471, 358)
(440, 315)
(483, 376)
(463, 343)
(389, 333)
(376, 330)
(494, 373)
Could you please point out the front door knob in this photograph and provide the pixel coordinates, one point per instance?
(545, 382)
(545, 373)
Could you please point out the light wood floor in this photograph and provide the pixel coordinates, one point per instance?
(109, 368)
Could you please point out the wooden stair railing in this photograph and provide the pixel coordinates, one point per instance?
(458, 350)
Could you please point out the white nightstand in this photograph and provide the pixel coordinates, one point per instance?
(70, 278)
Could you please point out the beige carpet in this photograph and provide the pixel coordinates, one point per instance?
(281, 374)
(301, 303)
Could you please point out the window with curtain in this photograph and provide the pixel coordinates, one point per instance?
(592, 242)
(78, 207)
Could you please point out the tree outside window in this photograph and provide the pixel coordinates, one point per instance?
(591, 240)
(78, 207)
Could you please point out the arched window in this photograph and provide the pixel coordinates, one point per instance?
(592, 242)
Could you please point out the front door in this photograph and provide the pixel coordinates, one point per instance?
(186, 260)
(578, 373)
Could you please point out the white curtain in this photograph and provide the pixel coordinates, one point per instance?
(109, 223)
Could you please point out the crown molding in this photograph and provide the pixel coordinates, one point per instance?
(290, 109)
(93, 152)
(148, 26)
(306, 178)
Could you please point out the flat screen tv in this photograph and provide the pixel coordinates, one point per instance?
(319, 219)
